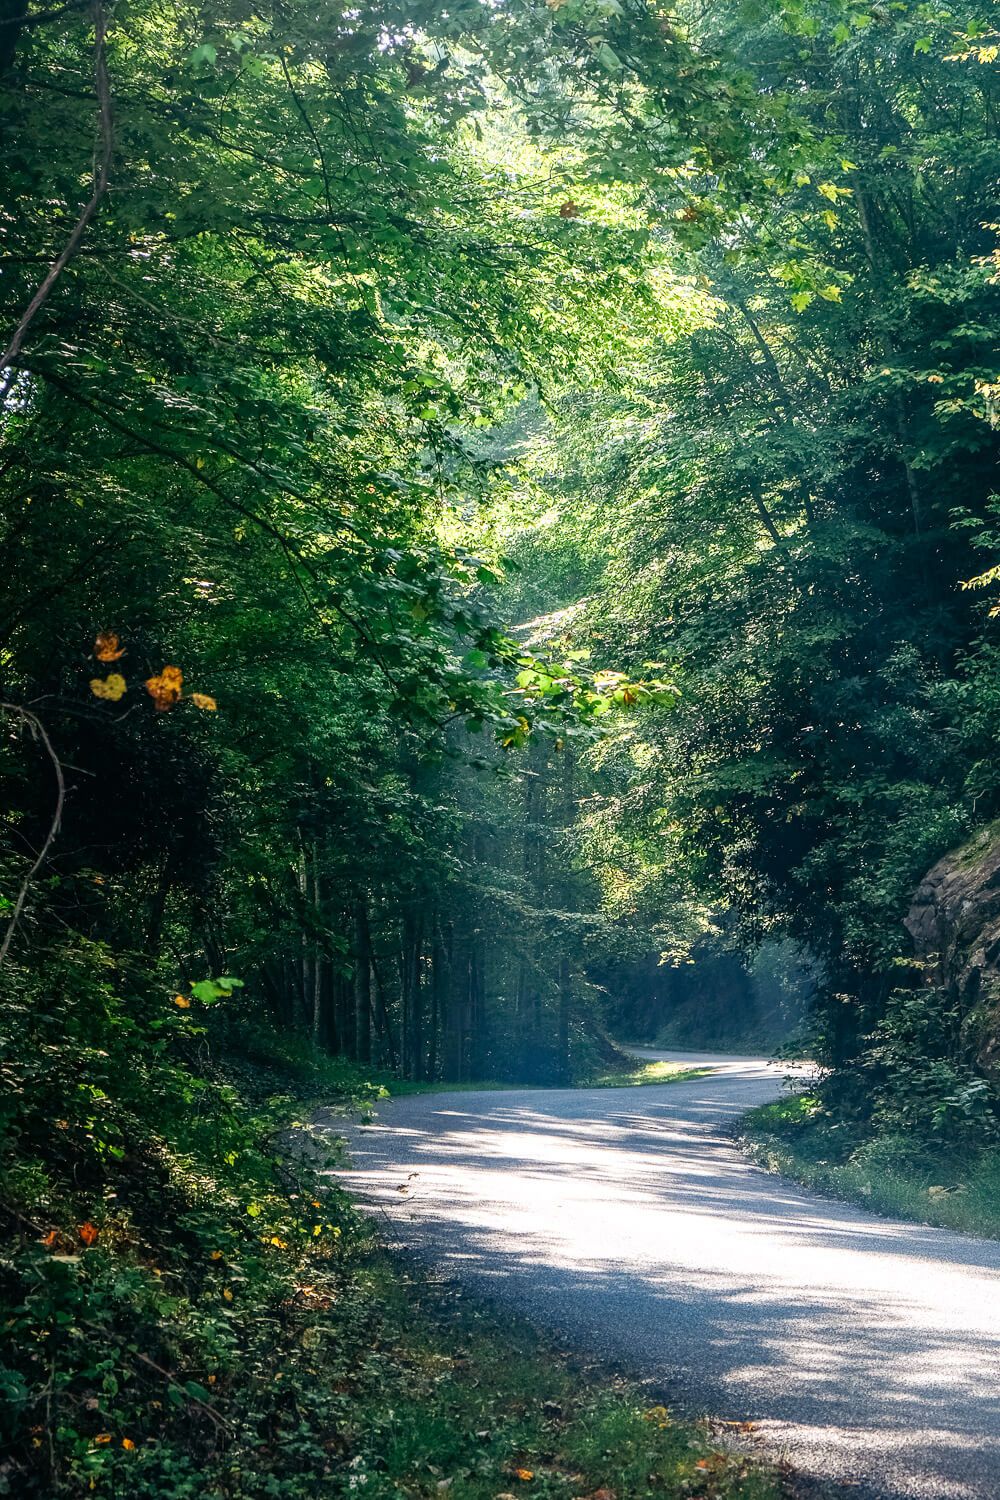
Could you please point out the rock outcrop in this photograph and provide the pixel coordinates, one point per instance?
(955, 926)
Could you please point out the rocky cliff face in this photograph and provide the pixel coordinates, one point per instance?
(955, 926)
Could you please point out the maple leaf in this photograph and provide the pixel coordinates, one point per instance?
(107, 646)
(202, 700)
(88, 1232)
(111, 687)
(165, 688)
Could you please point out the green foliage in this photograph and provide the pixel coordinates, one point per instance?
(766, 501)
(191, 1309)
(438, 391)
(957, 1187)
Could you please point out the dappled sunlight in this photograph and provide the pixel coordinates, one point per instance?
(643, 1234)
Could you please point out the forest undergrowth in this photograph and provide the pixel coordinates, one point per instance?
(955, 1185)
(194, 1311)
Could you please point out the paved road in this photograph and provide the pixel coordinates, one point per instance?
(626, 1222)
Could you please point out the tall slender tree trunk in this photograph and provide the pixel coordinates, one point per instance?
(362, 987)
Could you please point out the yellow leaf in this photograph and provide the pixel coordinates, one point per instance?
(110, 688)
(228, 1295)
(216, 1255)
(202, 700)
(165, 689)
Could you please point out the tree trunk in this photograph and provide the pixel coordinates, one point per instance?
(362, 987)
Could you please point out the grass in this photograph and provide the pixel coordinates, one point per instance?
(617, 1077)
(456, 1401)
(278, 1058)
(889, 1174)
(643, 1073)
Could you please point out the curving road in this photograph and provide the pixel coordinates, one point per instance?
(625, 1221)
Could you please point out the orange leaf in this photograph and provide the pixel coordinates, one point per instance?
(228, 1295)
(524, 1474)
(51, 1239)
(182, 1002)
(165, 688)
(88, 1232)
(216, 1255)
(202, 700)
(128, 1443)
(102, 1438)
(107, 647)
(110, 688)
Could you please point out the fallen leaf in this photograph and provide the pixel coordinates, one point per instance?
(202, 700)
(110, 688)
(88, 1232)
(107, 646)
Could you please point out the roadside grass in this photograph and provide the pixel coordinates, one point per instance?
(616, 1077)
(278, 1058)
(643, 1073)
(470, 1405)
(890, 1174)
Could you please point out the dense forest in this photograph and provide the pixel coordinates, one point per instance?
(499, 522)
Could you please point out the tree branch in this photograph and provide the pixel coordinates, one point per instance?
(102, 170)
(38, 731)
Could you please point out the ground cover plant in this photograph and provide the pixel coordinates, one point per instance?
(906, 1177)
(192, 1309)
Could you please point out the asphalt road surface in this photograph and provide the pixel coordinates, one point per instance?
(625, 1221)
